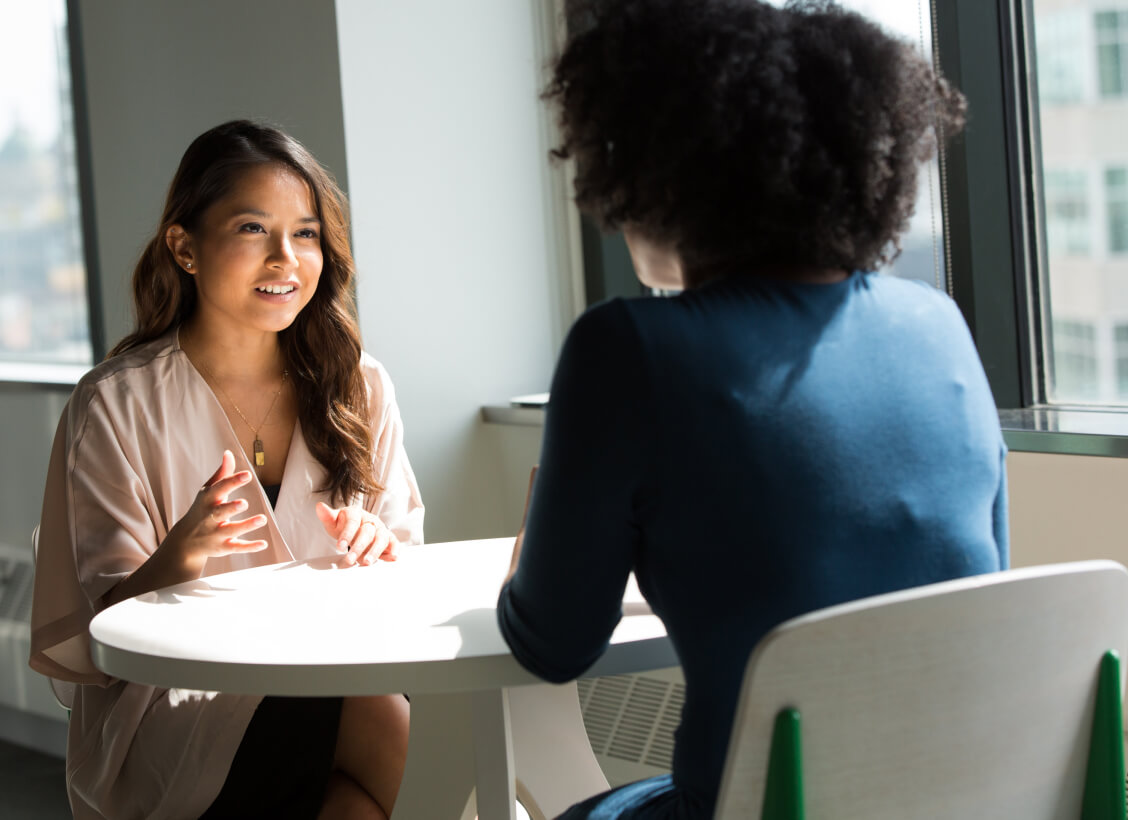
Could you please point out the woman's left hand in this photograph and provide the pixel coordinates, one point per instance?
(361, 535)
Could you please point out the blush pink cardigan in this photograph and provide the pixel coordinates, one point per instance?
(139, 436)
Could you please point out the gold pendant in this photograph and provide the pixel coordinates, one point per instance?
(260, 456)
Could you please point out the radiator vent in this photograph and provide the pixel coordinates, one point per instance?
(632, 717)
(21, 689)
(16, 574)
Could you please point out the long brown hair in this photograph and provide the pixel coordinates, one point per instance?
(322, 347)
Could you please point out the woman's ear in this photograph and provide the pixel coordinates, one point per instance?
(180, 245)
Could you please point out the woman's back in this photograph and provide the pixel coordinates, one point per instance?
(753, 449)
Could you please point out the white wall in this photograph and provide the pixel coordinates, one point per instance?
(463, 284)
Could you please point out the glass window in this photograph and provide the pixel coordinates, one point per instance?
(1112, 40)
(1120, 338)
(1116, 208)
(44, 314)
(1067, 212)
(1075, 359)
(1084, 189)
(1062, 56)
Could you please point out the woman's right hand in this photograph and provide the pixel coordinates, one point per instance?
(208, 529)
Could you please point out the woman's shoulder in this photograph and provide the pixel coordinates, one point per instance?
(137, 373)
(898, 288)
(609, 321)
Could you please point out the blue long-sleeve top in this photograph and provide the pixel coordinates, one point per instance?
(752, 449)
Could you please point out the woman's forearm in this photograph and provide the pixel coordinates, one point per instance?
(163, 568)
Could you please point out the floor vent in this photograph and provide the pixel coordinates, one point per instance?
(632, 718)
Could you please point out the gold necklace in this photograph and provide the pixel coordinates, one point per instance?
(260, 454)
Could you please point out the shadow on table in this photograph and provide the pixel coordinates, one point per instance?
(205, 588)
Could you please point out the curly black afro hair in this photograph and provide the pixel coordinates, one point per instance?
(747, 136)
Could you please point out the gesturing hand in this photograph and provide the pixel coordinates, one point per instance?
(208, 530)
(360, 534)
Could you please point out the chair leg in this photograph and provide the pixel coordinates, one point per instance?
(783, 789)
(1104, 774)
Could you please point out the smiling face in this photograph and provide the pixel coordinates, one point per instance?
(256, 254)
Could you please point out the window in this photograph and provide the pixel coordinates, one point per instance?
(1082, 280)
(1112, 41)
(1116, 208)
(44, 315)
(1120, 338)
(1067, 212)
(1062, 54)
(1075, 359)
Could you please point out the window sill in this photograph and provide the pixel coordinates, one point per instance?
(28, 375)
(516, 416)
(1077, 432)
(1066, 431)
(522, 411)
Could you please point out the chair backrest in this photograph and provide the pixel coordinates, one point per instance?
(63, 690)
(971, 698)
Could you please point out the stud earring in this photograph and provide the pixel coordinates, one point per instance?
(189, 266)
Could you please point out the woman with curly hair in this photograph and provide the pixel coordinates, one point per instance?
(792, 430)
(239, 424)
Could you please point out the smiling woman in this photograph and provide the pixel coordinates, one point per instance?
(240, 424)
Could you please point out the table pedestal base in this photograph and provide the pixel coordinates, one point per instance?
(474, 753)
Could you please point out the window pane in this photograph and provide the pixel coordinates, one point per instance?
(1120, 336)
(1075, 358)
(1061, 61)
(1067, 211)
(43, 303)
(1112, 31)
(1081, 51)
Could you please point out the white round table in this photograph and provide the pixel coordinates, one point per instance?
(426, 625)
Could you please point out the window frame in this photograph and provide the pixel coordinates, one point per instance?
(994, 211)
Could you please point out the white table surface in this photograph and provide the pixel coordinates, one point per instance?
(423, 624)
(426, 625)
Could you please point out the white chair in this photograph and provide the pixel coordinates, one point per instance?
(62, 690)
(975, 698)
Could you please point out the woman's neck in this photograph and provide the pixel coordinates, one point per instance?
(251, 355)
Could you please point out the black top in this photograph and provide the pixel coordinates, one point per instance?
(271, 491)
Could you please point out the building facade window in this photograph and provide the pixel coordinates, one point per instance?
(1067, 212)
(1063, 56)
(44, 309)
(1116, 208)
(1075, 360)
(1120, 342)
(1112, 52)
